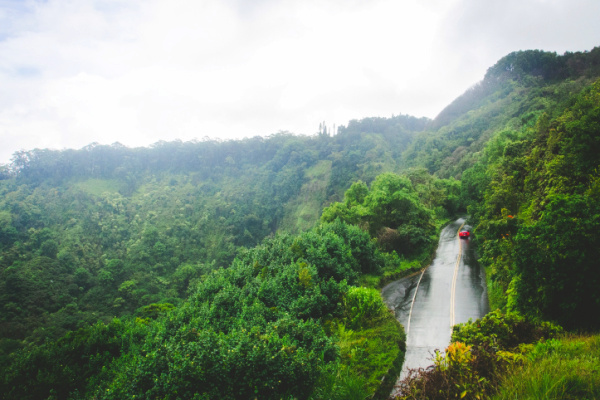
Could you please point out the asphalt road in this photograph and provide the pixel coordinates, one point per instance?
(450, 291)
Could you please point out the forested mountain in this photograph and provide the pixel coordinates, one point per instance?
(532, 194)
(284, 317)
(252, 250)
(538, 213)
(514, 93)
(93, 233)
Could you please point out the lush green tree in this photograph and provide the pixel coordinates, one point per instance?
(534, 199)
(393, 211)
(72, 365)
(557, 262)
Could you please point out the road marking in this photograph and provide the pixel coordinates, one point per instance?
(453, 289)
(413, 302)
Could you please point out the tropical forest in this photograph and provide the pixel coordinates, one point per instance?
(252, 268)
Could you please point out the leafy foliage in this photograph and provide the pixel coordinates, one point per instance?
(255, 329)
(89, 234)
(540, 213)
(361, 305)
(393, 209)
(557, 262)
(71, 365)
(499, 331)
(480, 354)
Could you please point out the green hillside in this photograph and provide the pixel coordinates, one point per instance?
(242, 269)
(514, 93)
(99, 232)
(529, 183)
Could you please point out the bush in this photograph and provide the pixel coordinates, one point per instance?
(362, 306)
(481, 352)
(499, 331)
(455, 375)
(67, 366)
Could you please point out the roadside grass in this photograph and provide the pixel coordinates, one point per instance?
(567, 368)
(395, 268)
(372, 352)
(372, 344)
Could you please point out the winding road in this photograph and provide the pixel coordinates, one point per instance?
(451, 290)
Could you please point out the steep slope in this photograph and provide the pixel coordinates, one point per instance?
(525, 144)
(535, 198)
(513, 94)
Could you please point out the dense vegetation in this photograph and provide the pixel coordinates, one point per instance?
(100, 232)
(481, 353)
(539, 216)
(398, 210)
(282, 320)
(532, 193)
(403, 213)
(234, 269)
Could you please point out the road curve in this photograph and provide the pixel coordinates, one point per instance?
(450, 291)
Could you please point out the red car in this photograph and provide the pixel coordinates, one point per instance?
(464, 234)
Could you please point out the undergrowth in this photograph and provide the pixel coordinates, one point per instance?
(567, 368)
(480, 355)
(372, 346)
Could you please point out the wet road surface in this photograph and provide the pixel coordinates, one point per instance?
(427, 304)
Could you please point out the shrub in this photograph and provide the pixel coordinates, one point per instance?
(362, 305)
(481, 353)
(503, 331)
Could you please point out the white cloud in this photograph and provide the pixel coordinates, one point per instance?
(76, 72)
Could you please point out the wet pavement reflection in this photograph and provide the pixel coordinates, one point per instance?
(452, 289)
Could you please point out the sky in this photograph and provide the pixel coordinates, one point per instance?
(74, 72)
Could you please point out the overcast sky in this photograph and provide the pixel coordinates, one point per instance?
(73, 72)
